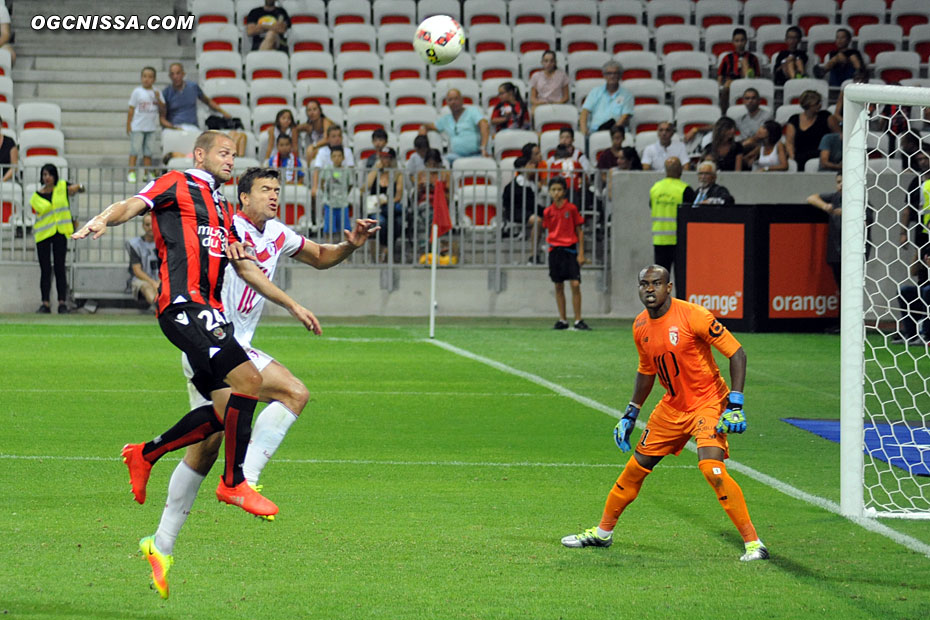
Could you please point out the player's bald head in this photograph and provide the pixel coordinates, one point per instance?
(658, 270)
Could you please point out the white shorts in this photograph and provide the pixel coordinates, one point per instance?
(259, 358)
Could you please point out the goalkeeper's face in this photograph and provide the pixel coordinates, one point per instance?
(655, 290)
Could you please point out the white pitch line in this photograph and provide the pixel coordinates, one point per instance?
(337, 392)
(118, 336)
(869, 524)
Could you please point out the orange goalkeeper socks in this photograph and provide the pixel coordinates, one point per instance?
(730, 497)
(625, 491)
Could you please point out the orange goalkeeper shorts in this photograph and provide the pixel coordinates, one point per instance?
(668, 430)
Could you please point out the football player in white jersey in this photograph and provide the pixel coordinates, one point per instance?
(256, 224)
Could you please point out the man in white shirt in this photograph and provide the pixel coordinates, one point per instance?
(655, 154)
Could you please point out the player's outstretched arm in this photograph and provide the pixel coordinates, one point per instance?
(326, 255)
(115, 214)
(254, 277)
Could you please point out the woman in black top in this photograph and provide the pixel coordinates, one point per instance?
(723, 149)
(9, 157)
(804, 131)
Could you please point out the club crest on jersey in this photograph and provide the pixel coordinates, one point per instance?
(219, 333)
(673, 335)
(214, 239)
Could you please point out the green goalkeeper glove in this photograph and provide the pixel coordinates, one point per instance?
(625, 427)
(733, 419)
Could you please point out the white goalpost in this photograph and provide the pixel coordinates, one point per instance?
(885, 384)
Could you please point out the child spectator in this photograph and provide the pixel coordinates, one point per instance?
(566, 251)
(283, 126)
(335, 183)
(379, 140)
(736, 65)
(285, 158)
(510, 112)
(142, 122)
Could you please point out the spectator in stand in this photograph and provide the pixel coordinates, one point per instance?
(323, 157)
(736, 65)
(910, 215)
(790, 63)
(285, 158)
(143, 264)
(913, 299)
(313, 132)
(843, 63)
(536, 167)
(180, 98)
(284, 125)
(385, 185)
(142, 122)
(417, 160)
(770, 155)
(723, 149)
(465, 126)
(567, 139)
(708, 192)
(609, 157)
(550, 85)
(6, 34)
(607, 105)
(655, 154)
(748, 124)
(804, 131)
(629, 159)
(379, 140)
(510, 112)
(831, 152)
(9, 157)
(519, 206)
(267, 25)
(335, 183)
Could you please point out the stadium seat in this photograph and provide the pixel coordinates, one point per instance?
(892, 67)
(37, 115)
(368, 118)
(217, 37)
(620, 12)
(858, 13)
(782, 112)
(262, 119)
(770, 39)
(32, 167)
(295, 204)
(354, 38)
(8, 116)
(461, 67)
(11, 204)
(362, 147)
(354, 65)
(719, 39)
(531, 62)
(213, 11)
(261, 65)
(363, 92)
(807, 13)
(214, 65)
(404, 66)
(6, 63)
(405, 144)
(408, 118)
(225, 91)
(385, 12)
(685, 66)
(305, 12)
(574, 12)
(713, 12)
(410, 92)
(481, 12)
(664, 12)
(876, 38)
(648, 117)
(638, 65)
(677, 38)
(909, 13)
(490, 87)
(242, 112)
(311, 66)
(530, 12)
(497, 65)
(757, 13)
(537, 38)
(690, 116)
(348, 12)
(920, 41)
(470, 90)
(580, 89)
(580, 38)
(478, 208)
(645, 90)
(703, 91)
(554, 116)
(42, 142)
(508, 143)
(326, 91)
(765, 87)
(589, 65)
(598, 142)
(820, 41)
(548, 141)
(643, 139)
(428, 8)
(627, 38)
(178, 141)
(793, 89)
(474, 171)
(308, 38)
(489, 38)
(336, 115)
(243, 8)
(395, 38)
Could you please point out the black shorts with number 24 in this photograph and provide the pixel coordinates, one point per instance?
(206, 337)
(563, 264)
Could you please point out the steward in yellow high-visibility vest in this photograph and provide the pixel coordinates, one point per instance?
(925, 211)
(52, 216)
(664, 198)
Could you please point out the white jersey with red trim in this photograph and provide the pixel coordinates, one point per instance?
(244, 305)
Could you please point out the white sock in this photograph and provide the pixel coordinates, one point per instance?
(604, 533)
(268, 432)
(182, 491)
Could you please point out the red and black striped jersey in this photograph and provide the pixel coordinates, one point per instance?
(192, 224)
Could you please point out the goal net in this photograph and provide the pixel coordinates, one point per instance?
(885, 359)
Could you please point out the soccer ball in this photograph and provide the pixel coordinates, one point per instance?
(439, 39)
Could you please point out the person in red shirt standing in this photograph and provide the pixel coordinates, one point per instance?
(566, 251)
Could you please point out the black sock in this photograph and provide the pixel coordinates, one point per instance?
(193, 427)
(238, 423)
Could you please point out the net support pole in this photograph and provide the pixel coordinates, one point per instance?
(852, 327)
(434, 265)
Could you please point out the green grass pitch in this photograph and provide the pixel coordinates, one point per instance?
(422, 484)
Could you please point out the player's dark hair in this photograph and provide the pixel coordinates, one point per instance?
(52, 169)
(741, 31)
(558, 181)
(249, 177)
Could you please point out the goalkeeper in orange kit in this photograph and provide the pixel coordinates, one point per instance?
(674, 338)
